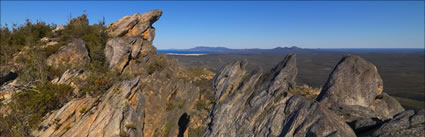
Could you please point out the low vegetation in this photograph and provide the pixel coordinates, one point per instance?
(156, 66)
(29, 106)
(22, 48)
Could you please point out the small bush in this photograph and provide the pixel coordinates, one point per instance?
(158, 65)
(97, 83)
(45, 98)
(202, 106)
(83, 110)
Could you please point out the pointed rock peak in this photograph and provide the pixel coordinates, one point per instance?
(228, 78)
(354, 81)
(151, 16)
(135, 25)
(282, 76)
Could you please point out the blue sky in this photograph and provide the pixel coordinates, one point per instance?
(250, 24)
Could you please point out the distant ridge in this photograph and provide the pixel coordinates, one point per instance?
(286, 50)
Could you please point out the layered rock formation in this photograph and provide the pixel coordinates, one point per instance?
(133, 36)
(152, 100)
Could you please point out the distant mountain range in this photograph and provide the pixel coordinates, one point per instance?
(286, 50)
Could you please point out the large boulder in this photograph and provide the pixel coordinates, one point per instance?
(354, 90)
(257, 104)
(354, 81)
(74, 55)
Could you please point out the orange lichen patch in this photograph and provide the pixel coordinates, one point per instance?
(134, 31)
(193, 104)
(134, 100)
(146, 33)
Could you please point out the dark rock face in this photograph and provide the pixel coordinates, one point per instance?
(75, 55)
(257, 104)
(409, 123)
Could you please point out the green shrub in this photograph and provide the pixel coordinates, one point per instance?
(202, 106)
(49, 50)
(83, 110)
(44, 98)
(158, 65)
(97, 83)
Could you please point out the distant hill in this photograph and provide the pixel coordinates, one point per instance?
(286, 50)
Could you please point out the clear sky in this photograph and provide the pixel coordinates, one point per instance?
(249, 24)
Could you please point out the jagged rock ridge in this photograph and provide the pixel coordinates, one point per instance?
(257, 104)
(352, 103)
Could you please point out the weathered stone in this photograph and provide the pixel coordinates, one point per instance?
(354, 81)
(135, 25)
(409, 123)
(117, 53)
(305, 118)
(386, 106)
(134, 35)
(74, 55)
(354, 92)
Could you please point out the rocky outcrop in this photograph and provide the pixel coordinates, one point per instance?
(133, 38)
(257, 104)
(74, 55)
(155, 101)
(354, 91)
